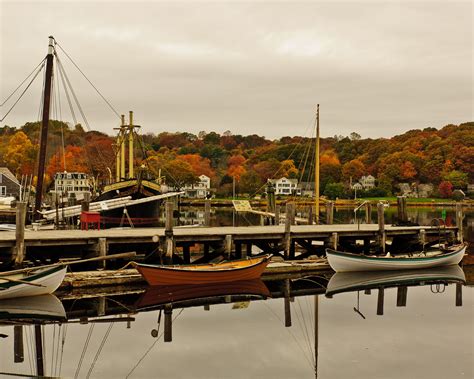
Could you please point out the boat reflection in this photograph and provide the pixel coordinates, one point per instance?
(156, 296)
(356, 281)
(32, 310)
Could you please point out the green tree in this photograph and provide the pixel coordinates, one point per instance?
(334, 190)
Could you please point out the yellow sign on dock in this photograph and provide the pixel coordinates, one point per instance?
(242, 205)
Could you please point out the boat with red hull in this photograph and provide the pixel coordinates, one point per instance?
(229, 271)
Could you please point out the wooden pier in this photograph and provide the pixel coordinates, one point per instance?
(289, 241)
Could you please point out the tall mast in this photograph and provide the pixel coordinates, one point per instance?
(130, 147)
(44, 126)
(316, 168)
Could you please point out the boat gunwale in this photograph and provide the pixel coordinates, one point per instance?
(192, 268)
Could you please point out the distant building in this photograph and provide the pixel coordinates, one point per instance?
(199, 190)
(305, 189)
(284, 186)
(9, 185)
(357, 187)
(70, 184)
(364, 183)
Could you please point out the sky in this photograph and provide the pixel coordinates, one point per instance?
(377, 68)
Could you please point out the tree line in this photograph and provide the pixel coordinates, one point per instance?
(443, 157)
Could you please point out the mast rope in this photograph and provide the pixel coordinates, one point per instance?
(84, 75)
(17, 88)
(152, 345)
(99, 350)
(84, 349)
(24, 91)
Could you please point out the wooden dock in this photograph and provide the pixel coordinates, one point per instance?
(289, 241)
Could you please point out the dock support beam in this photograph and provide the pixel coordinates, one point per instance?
(207, 213)
(310, 215)
(19, 252)
(277, 214)
(169, 240)
(381, 222)
(228, 245)
(329, 212)
(402, 296)
(458, 294)
(459, 219)
(102, 251)
(286, 294)
(402, 209)
(368, 213)
(290, 208)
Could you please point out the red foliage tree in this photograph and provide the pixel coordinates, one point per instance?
(445, 189)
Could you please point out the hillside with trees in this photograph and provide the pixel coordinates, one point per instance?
(442, 157)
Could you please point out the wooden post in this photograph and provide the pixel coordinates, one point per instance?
(380, 301)
(228, 245)
(19, 355)
(169, 240)
(288, 222)
(19, 252)
(310, 215)
(168, 335)
(286, 294)
(458, 294)
(277, 214)
(248, 252)
(402, 209)
(329, 212)
(102, 251)
(459, 219)
(207, 213)
(423, 238)
(101, 306)
(381, 222)
(335, 240)
(186, 254)
(238, 250)
(368, 213)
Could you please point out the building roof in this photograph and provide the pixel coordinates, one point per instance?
(7, 173)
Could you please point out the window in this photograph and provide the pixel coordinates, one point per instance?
(3, 191)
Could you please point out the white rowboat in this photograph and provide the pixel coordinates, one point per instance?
(40, 281)
(347, 262)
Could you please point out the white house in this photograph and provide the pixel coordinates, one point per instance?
(68, 183)
(365, 183)
(284, 186)
(198, 190)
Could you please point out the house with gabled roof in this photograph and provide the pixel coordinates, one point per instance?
(9, 184)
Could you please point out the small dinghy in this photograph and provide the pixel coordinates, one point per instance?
(347, 262)
(229, 271)
(34, 282)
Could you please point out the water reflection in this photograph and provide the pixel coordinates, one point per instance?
(274, 329)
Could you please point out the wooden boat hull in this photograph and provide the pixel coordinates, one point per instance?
(361, 280)
(48, 279)
(232, 271)
(347, 262)
(158, 295)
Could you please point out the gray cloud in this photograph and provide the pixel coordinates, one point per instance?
(375, 68)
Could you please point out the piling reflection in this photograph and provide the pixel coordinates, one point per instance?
(35, 327)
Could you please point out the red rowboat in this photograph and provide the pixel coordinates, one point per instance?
(229, 271)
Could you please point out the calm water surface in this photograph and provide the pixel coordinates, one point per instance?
(432, 336)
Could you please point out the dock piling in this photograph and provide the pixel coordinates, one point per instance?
(381, 223)
(102, 251)
(207, 213)
(402, 208)
(368, 212)
(329, 212)
(168, 335)
(459, 219)
(18, 344)
(288, 222)
(169, 240)
(19, 250)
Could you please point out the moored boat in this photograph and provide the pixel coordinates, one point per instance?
(34, 282)
(346, 262)
(229, 271)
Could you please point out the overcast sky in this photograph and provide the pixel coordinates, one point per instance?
(377, 68)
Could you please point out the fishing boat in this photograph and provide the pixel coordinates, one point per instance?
(346, 262)
(358, 281)
(158, 295)
(229, 271)
(34, 282)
